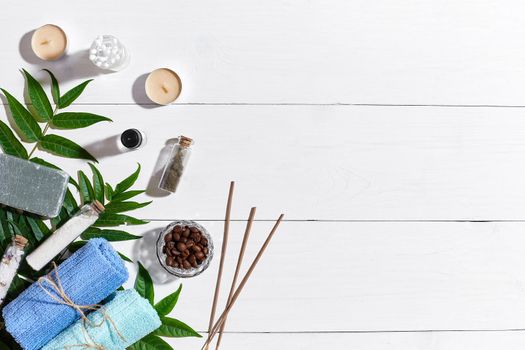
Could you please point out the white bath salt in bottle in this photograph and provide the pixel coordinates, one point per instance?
(176, 164)
(10, 263)
(65, 235)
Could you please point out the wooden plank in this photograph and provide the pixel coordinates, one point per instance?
(360, 277)
(409, 52)
(324, 162)
(376, 341)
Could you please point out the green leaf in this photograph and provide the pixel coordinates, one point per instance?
(38, 97)
(4, 232)
(61, 219)
(73, 247)
(70, 96)
(14, 228)
(76, 120)
(63, 147)
(28, 128)
(98, 183)
(144, 284)
(4, 226)
(126, 195)
(9, 226)
(49, 165)
(166, 305)
(10, 144)
(3, 346)
(8, 339)
(17, 286)
(25, 230)
(109, 192)
(110, 235)
(13, 217)
(128, 182)
(70, 204)
(119, 207)
(125, 258)
(173, 328)
(86, 190)
(150, 342)
(40, 230)
(55, 89)
(111, 220)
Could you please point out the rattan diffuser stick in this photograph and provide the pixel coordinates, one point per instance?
(237, 269)
(223, 256)
(223, 316)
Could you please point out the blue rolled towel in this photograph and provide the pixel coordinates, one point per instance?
(89, 276)
(119, 324)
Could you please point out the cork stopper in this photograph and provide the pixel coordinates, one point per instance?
(99, 207)
(20, 241)
(185, 141)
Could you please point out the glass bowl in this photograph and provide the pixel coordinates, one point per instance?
(184, 273)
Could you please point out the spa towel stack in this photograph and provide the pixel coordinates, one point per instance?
(132, 318)
(89, 276)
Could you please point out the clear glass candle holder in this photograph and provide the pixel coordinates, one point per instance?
(181, 272)
(107, 52)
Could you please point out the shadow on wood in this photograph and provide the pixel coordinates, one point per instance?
(138, 92)
(70, 67)
(145, 251)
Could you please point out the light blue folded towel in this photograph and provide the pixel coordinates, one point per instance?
(120, 323)
(89, 276)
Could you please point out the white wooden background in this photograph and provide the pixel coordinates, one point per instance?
(391, 133)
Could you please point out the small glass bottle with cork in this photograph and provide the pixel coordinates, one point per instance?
(65, 235)
(10, 263)
(176, 164)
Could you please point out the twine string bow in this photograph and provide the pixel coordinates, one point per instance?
(56, 286)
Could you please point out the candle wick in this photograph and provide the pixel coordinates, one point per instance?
(45, 42)
(164, 89)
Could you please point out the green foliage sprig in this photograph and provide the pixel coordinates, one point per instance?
(171, 327)
(26, 121)
(32, 123)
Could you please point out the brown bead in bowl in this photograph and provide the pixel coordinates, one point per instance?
(184, 248)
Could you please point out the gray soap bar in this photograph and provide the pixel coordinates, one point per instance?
(31, 187)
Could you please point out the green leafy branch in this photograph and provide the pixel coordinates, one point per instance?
(26, 121)
(171, 327)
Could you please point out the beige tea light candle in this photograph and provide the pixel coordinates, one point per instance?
(49, 42)
(163, 86)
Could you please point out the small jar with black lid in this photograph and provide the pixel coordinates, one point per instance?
(133, 139)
